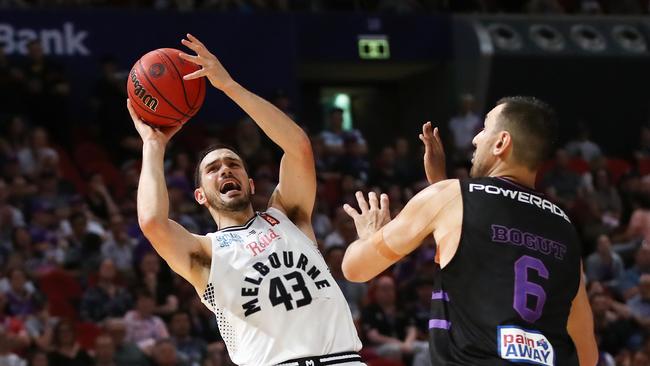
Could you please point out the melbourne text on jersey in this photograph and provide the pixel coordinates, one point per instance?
(279, 295)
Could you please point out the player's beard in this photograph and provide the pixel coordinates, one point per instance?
(234, 205)
(476, 169)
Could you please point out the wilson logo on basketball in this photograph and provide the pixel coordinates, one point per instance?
(141, 92)
(156, 70)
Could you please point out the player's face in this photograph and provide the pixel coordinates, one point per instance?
(224, 181)
(483, 159)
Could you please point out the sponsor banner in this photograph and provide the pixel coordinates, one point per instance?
(522, 345)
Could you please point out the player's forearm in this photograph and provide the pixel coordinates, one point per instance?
(275, 124)
(153, 199)
(362, 262)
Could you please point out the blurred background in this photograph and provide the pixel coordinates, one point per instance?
(79, 283)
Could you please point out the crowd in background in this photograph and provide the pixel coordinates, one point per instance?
(81, 285)
(384, 6)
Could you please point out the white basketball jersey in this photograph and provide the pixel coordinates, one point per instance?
(273, 295)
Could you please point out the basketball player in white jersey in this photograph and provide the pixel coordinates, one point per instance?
(260, 273)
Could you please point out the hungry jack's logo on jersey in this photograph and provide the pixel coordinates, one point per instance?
(517, 344)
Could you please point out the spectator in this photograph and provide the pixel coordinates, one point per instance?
(39, 358)
(105, 351)
(40, 327)
(388, 330)
(108, 98)
(561, 183)
(638, 228)
(14, 329)
(66, 351)
(32, 158)
(119, 246)
(404, 163)
(604, 265)
(612, 322)
(100, 202)
(144, 328)
(106, 298)
(353, 162)
(7, 357)
(21, 297)
(191, 350)
(248, 138)
(153, 279)
(126, 353)
(605, 198)
(204, 322)
(384, 172)
(10, 216)
(630, 280)
(165, 354)
(344, 232)
(464, 127)
(583, 147)
(334, 135)
(639, 304)
(354, 293)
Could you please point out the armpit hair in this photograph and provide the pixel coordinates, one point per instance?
(197, 258)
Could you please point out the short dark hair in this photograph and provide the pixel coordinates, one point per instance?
(205, 152)
(532, 126)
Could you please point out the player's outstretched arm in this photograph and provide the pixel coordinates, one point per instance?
(296, 190)
(177, 246)
(434, 154)
(581, 327)
(379, 245)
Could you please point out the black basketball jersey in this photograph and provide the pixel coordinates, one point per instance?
(506, 295)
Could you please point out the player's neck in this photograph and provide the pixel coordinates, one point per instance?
(517, 174)
(225, 219)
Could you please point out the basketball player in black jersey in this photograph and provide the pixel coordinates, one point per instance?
(510, 287)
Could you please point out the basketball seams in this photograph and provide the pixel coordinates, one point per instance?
(144, 74)
(159, 52)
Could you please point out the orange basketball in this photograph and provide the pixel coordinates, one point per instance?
(158, 93)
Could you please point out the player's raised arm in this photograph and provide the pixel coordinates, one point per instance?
(177, 246)
(581, 327)
(296, 190)
(380, 246)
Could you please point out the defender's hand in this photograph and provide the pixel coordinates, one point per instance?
(372, 218)
(148, 133)
(210, 65)
(434, 154)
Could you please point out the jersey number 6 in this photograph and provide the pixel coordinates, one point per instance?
(524, 288)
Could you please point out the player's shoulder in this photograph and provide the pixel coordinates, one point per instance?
(445, 187)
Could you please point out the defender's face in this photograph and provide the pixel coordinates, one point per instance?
(225, 184)
(483, 142)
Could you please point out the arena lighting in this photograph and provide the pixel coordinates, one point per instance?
(547, 38)
(629, 38)
(373, 47)
(505, 36)
(588, 38)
